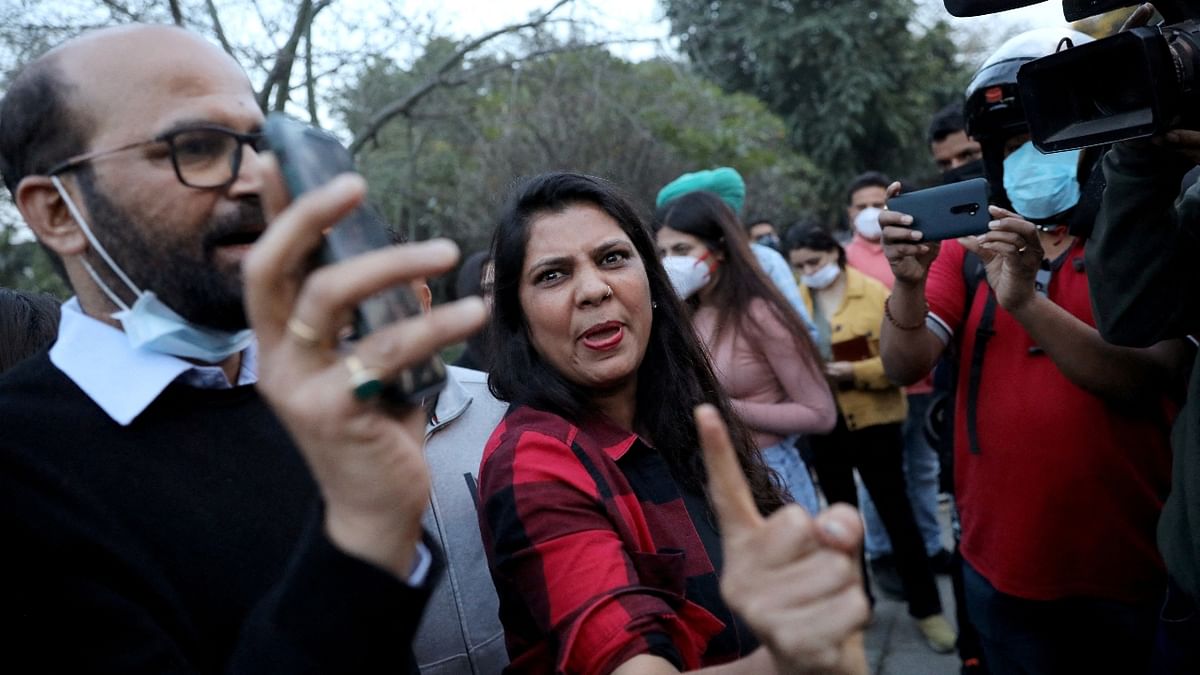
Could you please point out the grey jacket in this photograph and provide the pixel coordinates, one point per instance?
(461, 631)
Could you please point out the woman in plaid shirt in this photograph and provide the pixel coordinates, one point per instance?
(600, 535)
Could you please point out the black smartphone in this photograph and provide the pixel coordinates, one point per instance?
(947, 211)
(309, 157)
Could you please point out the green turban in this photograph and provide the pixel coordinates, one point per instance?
(725, 182)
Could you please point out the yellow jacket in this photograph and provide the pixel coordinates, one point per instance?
(872, 400)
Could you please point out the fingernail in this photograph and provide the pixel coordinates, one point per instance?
(979, 238)
(907, 220)
(993, 225)
(915, 235)
(834, 529)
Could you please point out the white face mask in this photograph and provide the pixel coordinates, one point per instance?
(688, 274)
(823, 277)
(150, 324)
(867, 223)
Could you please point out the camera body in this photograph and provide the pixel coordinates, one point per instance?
(1134, 84)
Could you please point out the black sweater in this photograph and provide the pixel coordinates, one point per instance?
(189, 541)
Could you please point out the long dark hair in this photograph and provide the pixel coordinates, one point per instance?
(706, 216)
(675, 374)
(28, 323)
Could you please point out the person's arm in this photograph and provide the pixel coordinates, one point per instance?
(816, 625)
(908, 349)
(542, 515)
(1012, 254)
(757, 663)
(809, 407)
(868, 374)
(1142, 255)
(366, 458)
(328, 613)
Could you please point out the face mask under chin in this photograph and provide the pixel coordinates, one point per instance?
(149, 324)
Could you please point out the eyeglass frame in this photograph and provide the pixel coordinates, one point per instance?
(168, 137)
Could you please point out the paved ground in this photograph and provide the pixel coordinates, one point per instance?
(894, 644)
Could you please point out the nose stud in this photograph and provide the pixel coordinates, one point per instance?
(609, 293)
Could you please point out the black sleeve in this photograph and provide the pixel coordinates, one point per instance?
(82, 597)
(1143, 259)
(333, 613)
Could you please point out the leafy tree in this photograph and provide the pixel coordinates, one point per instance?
(855, 80)
(441, 169)
(25, 266)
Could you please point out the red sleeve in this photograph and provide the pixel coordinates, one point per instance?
(945, 289)
(552, 545)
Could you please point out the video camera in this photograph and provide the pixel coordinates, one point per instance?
(1137, 83)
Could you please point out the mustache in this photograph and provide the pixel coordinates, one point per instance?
(241, 226)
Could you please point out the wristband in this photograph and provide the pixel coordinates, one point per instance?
(887, 312)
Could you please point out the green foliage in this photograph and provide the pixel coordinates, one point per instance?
(441, 171)
(25, 266)
(855, 83)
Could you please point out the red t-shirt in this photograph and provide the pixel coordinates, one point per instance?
(1063, 498)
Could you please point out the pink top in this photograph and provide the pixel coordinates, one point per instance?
(867, 257)
(776, 390)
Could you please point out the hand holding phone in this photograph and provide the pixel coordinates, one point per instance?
(309, 157)
(947, 211)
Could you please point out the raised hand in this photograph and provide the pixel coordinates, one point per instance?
(909, 256)
(794, 579)
(1011, 254)
(367, 461)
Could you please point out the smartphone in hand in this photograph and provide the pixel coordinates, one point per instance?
(947, 211)
(309, 157)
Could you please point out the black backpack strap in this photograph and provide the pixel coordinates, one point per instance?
(975, 277)
(983, 332)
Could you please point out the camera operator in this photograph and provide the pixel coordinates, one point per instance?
(1060, 446)
(1143, 256)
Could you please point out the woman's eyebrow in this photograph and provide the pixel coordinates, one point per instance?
(608, 245)
(549, 261)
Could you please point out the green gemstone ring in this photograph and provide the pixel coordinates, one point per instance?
(364, 382)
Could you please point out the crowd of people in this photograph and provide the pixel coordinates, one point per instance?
(650, 456)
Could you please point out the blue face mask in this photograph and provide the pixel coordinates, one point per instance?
(150, 324)
(1040, 186)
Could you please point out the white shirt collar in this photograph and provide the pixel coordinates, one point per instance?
(122, 380)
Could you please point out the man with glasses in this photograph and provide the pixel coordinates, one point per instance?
(159, 513)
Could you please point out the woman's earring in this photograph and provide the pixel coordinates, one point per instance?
(653, 304)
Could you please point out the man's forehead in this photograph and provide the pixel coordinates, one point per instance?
(868, 194)
(147, 75)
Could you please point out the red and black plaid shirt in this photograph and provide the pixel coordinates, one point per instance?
(597, 553)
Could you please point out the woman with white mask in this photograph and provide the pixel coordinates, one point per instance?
(759, 347)
(848, 308)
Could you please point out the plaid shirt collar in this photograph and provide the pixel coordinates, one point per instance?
(614, 440)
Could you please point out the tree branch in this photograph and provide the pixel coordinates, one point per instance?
(218, 29)
(121, 9)
(281, 73)
(405, 104)
(309, 81)
(176, 12)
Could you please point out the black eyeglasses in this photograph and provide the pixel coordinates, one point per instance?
(204, 157)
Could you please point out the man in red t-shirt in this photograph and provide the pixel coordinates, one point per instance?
(1061, 448)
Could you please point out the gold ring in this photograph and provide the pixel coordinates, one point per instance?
(305, 335)
(364, 382)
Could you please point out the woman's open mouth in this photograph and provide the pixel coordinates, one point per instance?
(604, 336)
